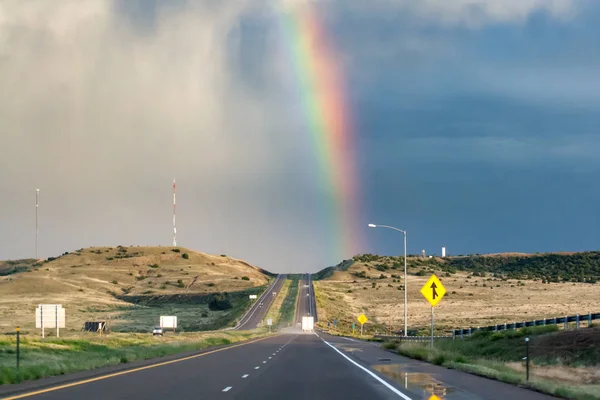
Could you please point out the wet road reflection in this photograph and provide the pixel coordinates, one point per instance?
(421, 384)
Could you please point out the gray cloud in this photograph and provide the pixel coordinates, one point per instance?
(102, 106)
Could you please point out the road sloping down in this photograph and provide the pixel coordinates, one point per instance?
(261, 306)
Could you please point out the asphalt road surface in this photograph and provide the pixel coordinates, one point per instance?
(306, 300)
(261, 306)
(292, 366)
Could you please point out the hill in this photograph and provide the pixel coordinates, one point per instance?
(481, 290)
(130, 286)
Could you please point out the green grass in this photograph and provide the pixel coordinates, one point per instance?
(48, 357)
(487, 354)
(288, 307)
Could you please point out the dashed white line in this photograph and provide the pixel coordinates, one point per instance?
(270, 358)
(273, 353)
(264, 362)
(256, 367)
(245, 376)
(227, 389)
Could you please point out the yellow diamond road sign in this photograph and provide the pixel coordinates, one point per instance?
(362, 319)
(434, 397)
(433, 290)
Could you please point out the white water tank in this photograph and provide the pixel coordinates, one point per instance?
(444, 251)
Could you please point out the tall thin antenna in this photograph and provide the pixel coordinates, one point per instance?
(174, 212)
(37, 194)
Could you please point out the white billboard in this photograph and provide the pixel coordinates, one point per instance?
(48, 315)
(253, 297)
(168, 322)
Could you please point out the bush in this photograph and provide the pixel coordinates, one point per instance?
(154, 266)
(180, 283)
(439, 359)
(115, 282)
(210, 284)
(185, 255)
(245, 278)
(374, 284)
(219, 302)
(175, 250)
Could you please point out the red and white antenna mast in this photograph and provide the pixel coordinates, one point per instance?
(174, 211)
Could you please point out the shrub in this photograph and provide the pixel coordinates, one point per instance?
(175, 250)
(245, 278)
(210, 284)
(219, 302)
(115, 282)
(374, 284)
(180, 283)
(154, 266)
(185, 255)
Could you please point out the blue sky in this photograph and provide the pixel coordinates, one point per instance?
(477, 127)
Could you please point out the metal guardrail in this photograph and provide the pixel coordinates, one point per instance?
(539, 322)
(411, 338)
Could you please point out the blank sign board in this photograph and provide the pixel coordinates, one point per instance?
(47, 315)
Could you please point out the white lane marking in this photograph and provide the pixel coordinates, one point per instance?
(245, 376)
(227, 389)
(393, 389)
(264, 362)
(256, 367)
(269, 358)
(347, 338)
(273, 353)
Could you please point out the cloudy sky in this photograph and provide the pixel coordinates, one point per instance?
(477, 127)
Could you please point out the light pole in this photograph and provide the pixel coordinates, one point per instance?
(37, 194)
(405, 282)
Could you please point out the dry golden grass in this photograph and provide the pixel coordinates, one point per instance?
(572, 375)
(82, 282)
(467, 302)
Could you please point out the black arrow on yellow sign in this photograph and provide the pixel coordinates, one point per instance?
(433, 287)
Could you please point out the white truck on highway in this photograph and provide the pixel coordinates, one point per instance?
(308, 323)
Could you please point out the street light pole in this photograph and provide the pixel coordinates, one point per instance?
(405, 282)
(37, 194)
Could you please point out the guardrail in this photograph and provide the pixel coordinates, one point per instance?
(411, 338)
(539, 322)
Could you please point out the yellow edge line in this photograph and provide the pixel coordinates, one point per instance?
(129, 371)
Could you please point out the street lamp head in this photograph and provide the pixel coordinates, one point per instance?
(372, 226)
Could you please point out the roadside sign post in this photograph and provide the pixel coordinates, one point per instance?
(362, 319)
(353, 326)
(527, 359)
(269, 322)
(18, 354)
(433, 291)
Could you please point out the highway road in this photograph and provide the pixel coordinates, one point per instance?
(261, 306)
(292, 365)
(306, 305)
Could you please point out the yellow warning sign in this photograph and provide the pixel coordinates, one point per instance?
(433, 290)
(362, 319)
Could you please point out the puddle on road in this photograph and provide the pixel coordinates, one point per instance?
(421, 383)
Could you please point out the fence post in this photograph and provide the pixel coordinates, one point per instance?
(589, 319)
(566, 323)
(18, 354)
(462, 336)
(470, 331)
(577, 322)
(505, 327)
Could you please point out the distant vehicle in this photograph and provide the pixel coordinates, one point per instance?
(307, 294)
(157, 331)
(260, 305)
(274, 293)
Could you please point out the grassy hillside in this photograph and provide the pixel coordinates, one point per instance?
(581, 267)
(130, 287)
(478, 294)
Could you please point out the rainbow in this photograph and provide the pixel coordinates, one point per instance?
(321, 88)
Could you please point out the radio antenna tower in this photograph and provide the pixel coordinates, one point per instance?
(174, 211)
